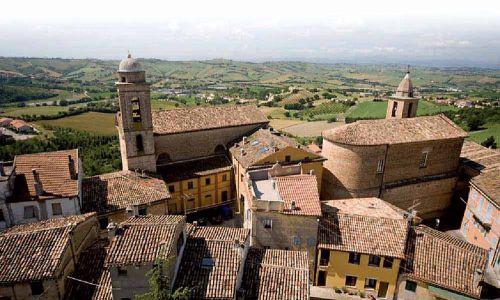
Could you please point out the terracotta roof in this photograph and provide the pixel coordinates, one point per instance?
(314, 148)
(479, 157)
(405, 87)
(489, 183)
(143, 239)
(362, 233)
(260, 145)
(395, 131)
(370, 207)
(194, 168)
(29, 253)
(91, 268)
(115, 191)
(301, 189)
(440, 259)
(18, 123)
(54, 171)
(276, 274)
(213, 245)
(205, 117)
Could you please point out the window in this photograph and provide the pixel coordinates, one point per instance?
(380, 166)
(136, 111)
(241, 177)
(207, 181)
(354, 258)
(208, 197)
(388, 261)
(268, 223)
(103, 223)
(410, 108)
(123, 79)
(370, 283)
(321, 278)
(139, 143)
(488, 212)
(224, 196)
(224, 177)
(288, 158)
(350, 280)
(423, 159)
(324, 258)
(296, 240)
(171, 188)
(411, 286)
(311, 242)
(122, 271)
(374, 261)
(190, 185)
(394, 108)
(56, 209)
(143, 211)
(36, 288)
(207, 263)
(29, 212)
(2, 217)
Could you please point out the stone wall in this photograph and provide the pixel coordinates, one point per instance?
(197, 144)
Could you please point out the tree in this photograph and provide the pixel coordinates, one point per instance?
(474, 122)
(63, 103)
(490, 143)
(159, 285)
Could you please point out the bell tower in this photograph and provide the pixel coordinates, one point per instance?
(133, 121)
(403, 104)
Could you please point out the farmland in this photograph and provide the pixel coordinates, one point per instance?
(377, 110)
(100, 123)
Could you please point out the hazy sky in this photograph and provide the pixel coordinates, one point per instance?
(426, 31)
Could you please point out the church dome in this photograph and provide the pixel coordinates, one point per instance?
(405, 88)
(129, 64)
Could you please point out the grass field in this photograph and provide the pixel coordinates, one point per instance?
(33, 110)
(101, 123)
(377, 110)
(481, 135)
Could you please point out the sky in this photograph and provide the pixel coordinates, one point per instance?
(431, 32)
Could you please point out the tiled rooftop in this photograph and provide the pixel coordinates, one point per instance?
(395, 131)
(370, 207)
(115, 191)
(54, 171)
(479, 157)
(367, 234)
(276, 274)
(440, 259)
(489, 183)
(301, 189)
(194, 168)
(29, 252)
(143, 239)
(214, 246)
(205, 117)
(91, 268)
(258, 146)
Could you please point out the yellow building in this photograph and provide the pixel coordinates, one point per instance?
(361, 243)
(198, 184)
(264, 148)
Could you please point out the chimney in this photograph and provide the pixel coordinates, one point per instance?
(111, 230)
(244, 140)
(311, 172)
(2, 169)
(293, 207)
(38, 183)
(71, 165)
(132, 210)
(195, 223)
(242, 151)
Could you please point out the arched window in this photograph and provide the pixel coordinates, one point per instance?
(220, 149)
(163, 158)
(394, 108)
(139, 143)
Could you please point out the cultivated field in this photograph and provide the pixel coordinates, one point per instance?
(100, 123)
(311, 129)
(32, 110)
(377, 110)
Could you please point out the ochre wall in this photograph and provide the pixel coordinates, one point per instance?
(339, 267)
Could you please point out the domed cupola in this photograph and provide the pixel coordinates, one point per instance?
(403, 104)
(405, 87)
(129, 64)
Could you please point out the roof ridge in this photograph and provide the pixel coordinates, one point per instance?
(282, 266)
(442, 235)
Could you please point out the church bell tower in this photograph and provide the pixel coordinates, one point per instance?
(134, 123)
(403, 104)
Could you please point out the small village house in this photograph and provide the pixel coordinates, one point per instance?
(35, 259)
(21, 126)
(5, 122)
(135, 246)
(43, 186)
(117, 196)
(361, 244)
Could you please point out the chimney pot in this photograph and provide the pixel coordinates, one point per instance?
(71, 165)
(195, 223)
(311, 172)
(38, 183)
(293, 205)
